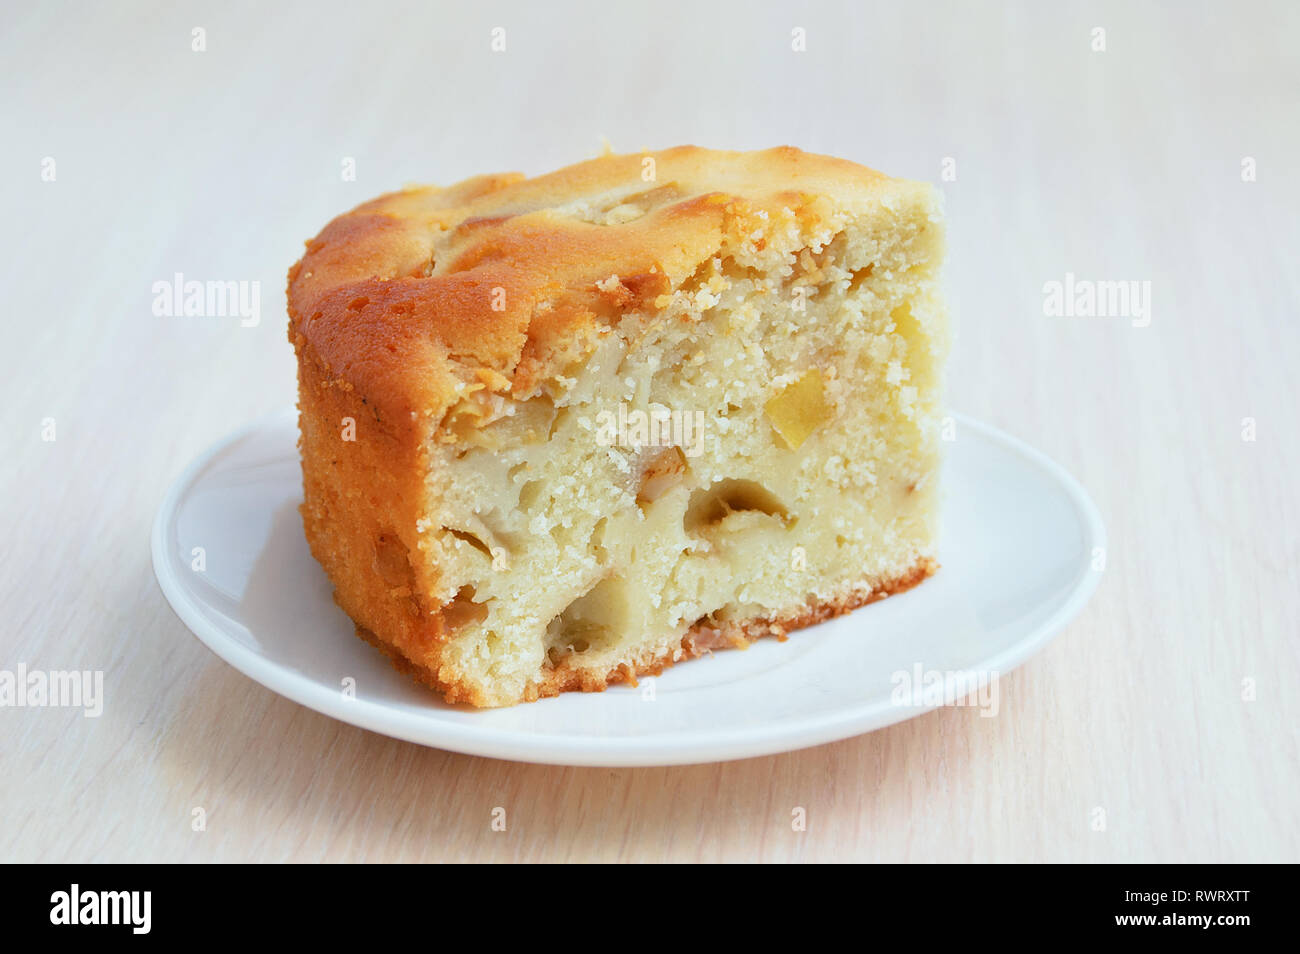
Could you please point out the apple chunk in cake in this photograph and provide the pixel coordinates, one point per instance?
(562, 431)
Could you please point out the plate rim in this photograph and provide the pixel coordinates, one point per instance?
(639, 751)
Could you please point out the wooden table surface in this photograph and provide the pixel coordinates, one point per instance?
(1158, 726)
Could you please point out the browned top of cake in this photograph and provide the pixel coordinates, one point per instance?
(420, 297)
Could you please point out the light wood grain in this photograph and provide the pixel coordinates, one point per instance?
(1123, 164)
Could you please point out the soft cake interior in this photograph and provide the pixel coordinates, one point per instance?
(567, 552)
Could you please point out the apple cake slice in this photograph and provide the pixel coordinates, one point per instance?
(563, 431)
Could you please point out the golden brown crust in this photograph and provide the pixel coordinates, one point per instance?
(703, 637)
(407, 295)
(361, 500)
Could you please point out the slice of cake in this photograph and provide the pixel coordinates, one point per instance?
(560, 432)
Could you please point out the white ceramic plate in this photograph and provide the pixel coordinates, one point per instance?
(1017, 554)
